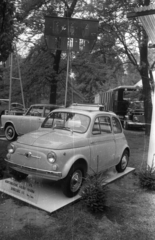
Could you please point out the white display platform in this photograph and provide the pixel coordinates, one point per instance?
(45, 194)
(112, 175)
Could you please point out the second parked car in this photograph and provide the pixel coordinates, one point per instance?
(14, 125)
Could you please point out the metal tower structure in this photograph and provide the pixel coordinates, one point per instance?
(15, 78)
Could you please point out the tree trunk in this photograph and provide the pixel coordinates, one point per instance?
(53, 88)
(144, 72)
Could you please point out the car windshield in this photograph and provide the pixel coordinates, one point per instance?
(36, 111)
(136, 105)
(67, 121)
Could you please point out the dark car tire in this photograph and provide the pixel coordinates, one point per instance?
(10, 132)
(18, 175)
(121, 166)
(72, 183)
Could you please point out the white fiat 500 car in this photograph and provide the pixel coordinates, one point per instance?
(68, 145)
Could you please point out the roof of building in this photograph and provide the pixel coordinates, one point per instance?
(145, 8)
(146, 14)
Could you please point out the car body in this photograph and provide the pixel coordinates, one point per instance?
(14, 125)
(68, 146)
(134, 117)
(4, 105)
(16, 109)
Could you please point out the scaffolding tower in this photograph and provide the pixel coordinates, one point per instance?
(15, 78)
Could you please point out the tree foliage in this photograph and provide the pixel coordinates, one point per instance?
(119, 56)
(7, 9)
(129, 36)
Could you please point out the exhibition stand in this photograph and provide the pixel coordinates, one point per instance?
(45, 194)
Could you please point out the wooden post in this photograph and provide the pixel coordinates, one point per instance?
(10, 91)
(67, 76)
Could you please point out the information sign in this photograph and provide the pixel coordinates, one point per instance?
(71, 27)
(66, 33)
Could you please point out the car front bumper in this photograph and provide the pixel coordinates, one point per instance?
(35, 171)
(136, 124)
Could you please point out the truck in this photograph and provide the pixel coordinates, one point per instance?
(126, 102)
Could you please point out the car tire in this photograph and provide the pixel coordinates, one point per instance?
(72, 183)
(121, 166)
(10, 132)
(18, 175)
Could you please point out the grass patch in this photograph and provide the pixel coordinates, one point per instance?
(72, 222)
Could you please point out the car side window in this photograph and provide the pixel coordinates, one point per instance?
(47, 111)
(102, 125)
(35, 111)
(96, 127)
(105, 124)
(116, 125)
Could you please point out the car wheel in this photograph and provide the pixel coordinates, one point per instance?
(73, 182)
(18, 175)
(10, 133)
(121, 166)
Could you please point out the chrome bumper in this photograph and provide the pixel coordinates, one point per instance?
(136, 124)
(42, 173)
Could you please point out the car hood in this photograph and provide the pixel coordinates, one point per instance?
(55, 139)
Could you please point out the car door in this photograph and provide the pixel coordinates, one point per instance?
(102, 144)
(119, 138)
(32, 120)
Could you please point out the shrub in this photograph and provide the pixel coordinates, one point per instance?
(147, 178)
(94, 193)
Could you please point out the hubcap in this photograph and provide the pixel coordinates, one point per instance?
(124, 162)
(10, 132)
(76, 181)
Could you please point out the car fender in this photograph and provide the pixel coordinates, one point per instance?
(71, 161)
(10, 123)
(126, 147)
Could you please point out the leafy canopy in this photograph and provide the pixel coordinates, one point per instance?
(7, 9)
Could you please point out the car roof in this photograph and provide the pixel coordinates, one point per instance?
(128, 87)
(85, 112)
(46, 105)
(88, 107)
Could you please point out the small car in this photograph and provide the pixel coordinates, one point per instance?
(70, 144)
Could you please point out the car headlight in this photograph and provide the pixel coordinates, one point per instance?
(11, 148)
(51, 157)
